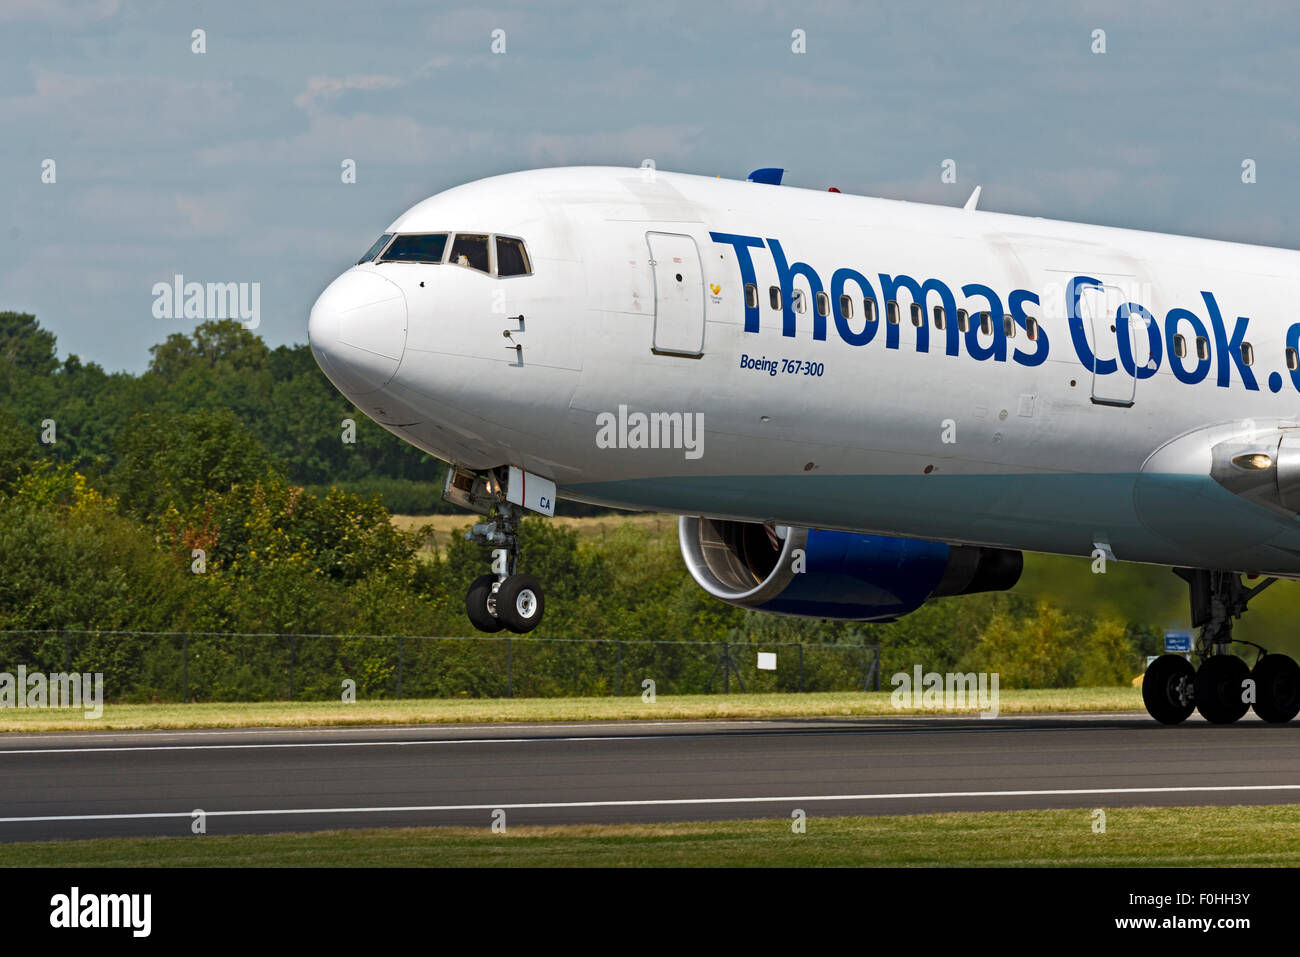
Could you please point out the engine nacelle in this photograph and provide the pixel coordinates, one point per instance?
(849, 576)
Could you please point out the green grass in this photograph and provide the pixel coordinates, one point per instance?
(118, 717)
(443, 528)
(1261, 836)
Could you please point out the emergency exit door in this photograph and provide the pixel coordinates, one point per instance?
(679, 295)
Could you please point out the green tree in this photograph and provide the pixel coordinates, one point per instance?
(18, 449)
(173, 460)
(25, 345)
(67, 560)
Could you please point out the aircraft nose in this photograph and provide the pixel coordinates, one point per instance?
(357, 331)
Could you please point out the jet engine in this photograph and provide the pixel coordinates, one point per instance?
(849, 576)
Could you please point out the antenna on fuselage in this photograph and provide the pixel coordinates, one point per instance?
(974, 199)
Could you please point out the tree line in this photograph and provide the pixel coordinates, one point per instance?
(210, 494)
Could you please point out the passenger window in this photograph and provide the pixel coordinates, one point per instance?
(470, 249)
(774, 296)
(751, 296)
(1009, 327)
(940, 321)
(986, 323)
(1292, 360)
(1248, 353)
(869, 309)
(1031, 328)
(796, 297)
(1180, 347)
(417, 249)
(963, 321)
(1202, 347)
(375, 250)
(846, 306)
(918, 315)
(823, 304)
(512, 258)
(891, 312)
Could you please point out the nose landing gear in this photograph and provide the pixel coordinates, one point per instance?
(504, 598)
(520, 603)
(1223, 688)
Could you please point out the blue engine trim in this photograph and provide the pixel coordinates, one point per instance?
(862, 577)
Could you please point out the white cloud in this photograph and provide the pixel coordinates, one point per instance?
(117, 109)
(153, 213)
(323, 88)
(435, 63)
(663, 144)
(60, 12)
(329, 137)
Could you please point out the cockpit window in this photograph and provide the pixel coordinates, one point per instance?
(470, 249)
(512, 260)
(374, 250)
(423, 248)
(467, 249)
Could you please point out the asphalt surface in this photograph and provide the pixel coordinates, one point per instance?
(64, 786)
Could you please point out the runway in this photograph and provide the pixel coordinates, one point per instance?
(115, 784)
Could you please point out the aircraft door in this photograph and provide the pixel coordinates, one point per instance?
(679, 295)
(1120, 344)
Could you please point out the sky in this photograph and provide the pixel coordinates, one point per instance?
(226, 165)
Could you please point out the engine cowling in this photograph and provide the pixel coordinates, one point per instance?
(848, 576)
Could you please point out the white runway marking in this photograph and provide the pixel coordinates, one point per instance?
(399, 743)
(661, 802)
(299, 744)
(128, 735)
(428, 726)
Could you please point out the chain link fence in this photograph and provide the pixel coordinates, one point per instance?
(218, 666)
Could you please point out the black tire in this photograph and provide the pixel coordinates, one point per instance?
(1277, 688)
(1220, 682)
(476, 606)
(1167, 689)
(520, 603)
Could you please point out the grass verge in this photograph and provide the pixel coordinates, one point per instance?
(118, 717)
(1255, 836)
(443, 528)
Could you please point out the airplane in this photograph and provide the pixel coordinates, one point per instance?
(854, 405)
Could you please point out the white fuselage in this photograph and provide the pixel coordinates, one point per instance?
(1094, 434)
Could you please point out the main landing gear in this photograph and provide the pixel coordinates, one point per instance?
(503, 598)
(1223, 688)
